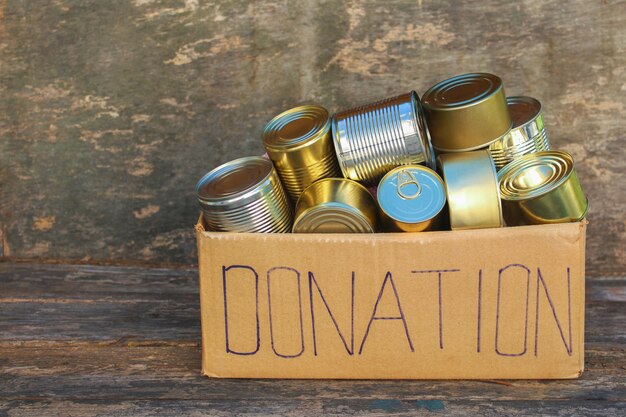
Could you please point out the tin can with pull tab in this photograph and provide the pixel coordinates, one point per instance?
(411, 199)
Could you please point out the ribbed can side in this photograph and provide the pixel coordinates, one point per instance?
(297, 179)
(372, 139)
(300, 144)
(504, 156)
(268, 212)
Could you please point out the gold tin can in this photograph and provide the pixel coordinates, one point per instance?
(336, 205)
(372, 139)
(300, 144)
(542, 188)
(466, 112)
(411, 199)
(471, 189)
(244, 195)
(527, 135)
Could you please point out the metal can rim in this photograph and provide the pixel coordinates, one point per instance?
(521, 163)
(338, 179)
(239, 195)
(471, 103)
(339, 151)
(356, 211)
(341, 207)
(422, 128)
(301, 142)
(520, 99)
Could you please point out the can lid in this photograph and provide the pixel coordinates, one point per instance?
(466, 112)
(534, 175)
(411, 194)
(461, 91)
(335, 205)
(296, 127)
(332, 217)
(522, 109)
(233, 179)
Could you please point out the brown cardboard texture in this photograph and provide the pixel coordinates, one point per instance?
(475, 304)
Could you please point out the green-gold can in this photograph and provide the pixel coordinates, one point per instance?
(542, 188)
(300, 143)
(336, 205)
(466, 112)
(471, 189)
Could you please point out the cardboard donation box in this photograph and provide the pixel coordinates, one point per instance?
(476, 304)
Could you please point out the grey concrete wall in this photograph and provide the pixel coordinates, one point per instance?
(111, 110)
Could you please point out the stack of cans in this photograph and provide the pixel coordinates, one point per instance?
(463, 157)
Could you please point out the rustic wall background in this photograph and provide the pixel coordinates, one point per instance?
(111, 110)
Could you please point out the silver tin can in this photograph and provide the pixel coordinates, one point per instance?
(527, 135)
(244, 195)
(373, 139)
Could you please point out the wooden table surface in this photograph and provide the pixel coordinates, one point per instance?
(91, 340)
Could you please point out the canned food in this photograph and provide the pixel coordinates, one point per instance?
(542, 188)
(371, 140)
(336, 205)
(471, 189)
(411, 199)
(527, 135)
(466, 112)
(244, 195)
(300, 144)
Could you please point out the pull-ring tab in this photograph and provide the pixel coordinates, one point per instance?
(406, 177)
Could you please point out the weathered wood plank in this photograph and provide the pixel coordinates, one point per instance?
(59, 302)
(416, 406)
(129, 373)
(105, 319)
(110, 111)
(88, 281)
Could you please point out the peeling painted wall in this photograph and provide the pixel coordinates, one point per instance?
(111, 110)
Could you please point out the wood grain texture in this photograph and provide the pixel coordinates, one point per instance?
(111, 111)
(85, 341)
(313, 407)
